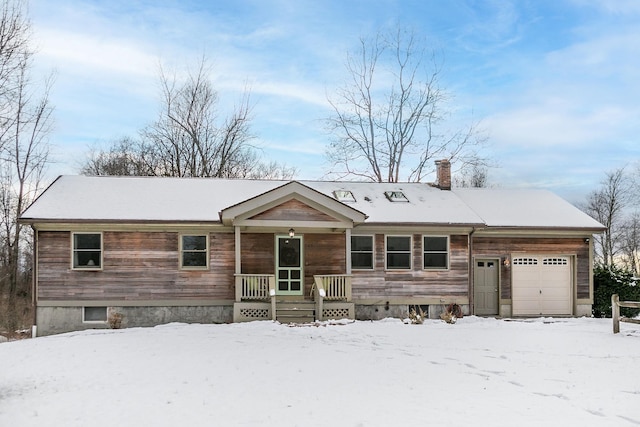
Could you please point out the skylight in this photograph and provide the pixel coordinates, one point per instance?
(344, 196)
(396, 196)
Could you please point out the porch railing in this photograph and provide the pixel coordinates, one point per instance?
(334, 287)
(337, 287)
(255, 287)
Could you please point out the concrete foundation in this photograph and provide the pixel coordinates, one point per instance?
(584, 310)
(400, 311)
(56, 320)
(505, 310)
(378, 312)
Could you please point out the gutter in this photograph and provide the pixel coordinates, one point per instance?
(471, 270)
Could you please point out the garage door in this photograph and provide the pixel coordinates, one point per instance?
(541, 285)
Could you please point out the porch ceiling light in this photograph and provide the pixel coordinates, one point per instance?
(292, 232)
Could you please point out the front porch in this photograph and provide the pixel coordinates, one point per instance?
(256, 298)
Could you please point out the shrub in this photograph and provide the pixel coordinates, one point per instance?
(614, 280)
(115, 319)
(417, 316)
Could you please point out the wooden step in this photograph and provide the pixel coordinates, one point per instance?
(295, 311)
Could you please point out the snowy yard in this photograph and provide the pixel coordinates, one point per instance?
(478, 372)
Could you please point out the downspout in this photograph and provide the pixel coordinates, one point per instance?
(34, 283)
(470, 245)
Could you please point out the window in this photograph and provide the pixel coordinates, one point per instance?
(344, 196)
(193, 252)
(398, 252)
(87, 251)
(435, 252)
(94, 314)
(555, 261)
(525, 261)
(396, 196)
(362, 252)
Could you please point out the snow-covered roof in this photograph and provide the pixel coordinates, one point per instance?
(83, 198)
(530, 208)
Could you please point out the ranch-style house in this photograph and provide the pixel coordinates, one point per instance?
(142, 251)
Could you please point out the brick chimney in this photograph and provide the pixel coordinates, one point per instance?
(443, 174)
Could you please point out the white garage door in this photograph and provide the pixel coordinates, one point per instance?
(541, 285)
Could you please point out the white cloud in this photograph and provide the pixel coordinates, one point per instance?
(87, 53)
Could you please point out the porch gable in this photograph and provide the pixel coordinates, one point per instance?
(293, 210)
(292, 203)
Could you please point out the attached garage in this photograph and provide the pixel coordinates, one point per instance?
(541, 285)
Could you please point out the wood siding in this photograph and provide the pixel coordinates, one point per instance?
(293, 210)
(145, 266)
(500, 247)
(136, 266)
(416, 282)
(258, 253)
(323, 254)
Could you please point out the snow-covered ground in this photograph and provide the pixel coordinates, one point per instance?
(478, 372)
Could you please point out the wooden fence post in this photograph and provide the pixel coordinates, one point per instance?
(615, 313)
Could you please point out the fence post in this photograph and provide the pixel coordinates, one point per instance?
(615, 313)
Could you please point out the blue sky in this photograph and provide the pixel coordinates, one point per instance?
(554, 83)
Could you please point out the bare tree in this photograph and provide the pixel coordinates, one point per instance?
(630, 244)
(15, 30)
(24, 149)
(189, 138)
(607, 205)
(123, 158)
(386, 118)
(474, 176)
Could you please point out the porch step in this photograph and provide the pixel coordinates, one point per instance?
(295, 311)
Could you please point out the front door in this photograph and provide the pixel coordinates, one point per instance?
(289, 273)
(485, 285)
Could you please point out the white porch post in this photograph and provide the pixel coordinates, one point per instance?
(238, 250)
(347, 235)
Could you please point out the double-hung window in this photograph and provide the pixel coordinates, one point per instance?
(362, 252)
(87, 251)
(194, 252)
(435, 253)
(398, 252)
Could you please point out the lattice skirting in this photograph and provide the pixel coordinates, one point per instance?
(255, 313)
(335, 313)
(249, 311)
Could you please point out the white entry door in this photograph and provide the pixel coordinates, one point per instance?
(289, 270)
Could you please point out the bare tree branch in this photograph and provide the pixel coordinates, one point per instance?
(607, 205)
(25, 124)
(189, 138)
(384, 118)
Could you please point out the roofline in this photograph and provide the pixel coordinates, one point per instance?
(117, 221)
(479, 226)
(476, 225)
(37, 198)
(544, 228)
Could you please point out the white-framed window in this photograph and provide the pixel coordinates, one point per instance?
(398, 252)
(194, 251)
(362, 252)
(86, 251)
(396, 196)
(344, 196)
(435, 252)
(94, 314)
